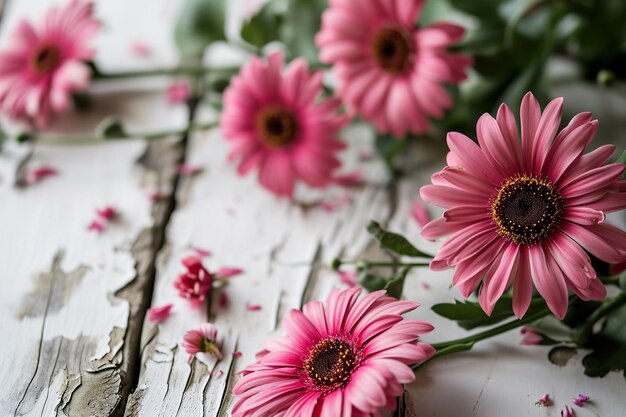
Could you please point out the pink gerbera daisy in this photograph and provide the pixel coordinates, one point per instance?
(275, 121)
(389, 70)
(202, 340)
(343, 357)
(525, 212)
(42, 65)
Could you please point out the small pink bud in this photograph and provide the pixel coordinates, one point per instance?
(254, 307)
(155, 196)
(237, 354)
(567, 412)
(190, 170)
(224, 301)
(159, 314)
(530, 336)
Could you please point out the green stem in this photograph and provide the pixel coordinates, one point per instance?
(605, 309)
(493, 332)
(76, 140)
(197, 70)
(610, 280)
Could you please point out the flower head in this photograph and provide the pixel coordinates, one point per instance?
(389, 70)
(202, 340)
(195, 283)
(275, 121)
(342, 357)
(42, 65)
(525, 212)
(544, 401)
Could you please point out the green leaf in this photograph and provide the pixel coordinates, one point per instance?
(371, 282)
(470, 315)
(389, 147)
(302, 22)
(483, 9)
(609, 346)
(395, 285)
(200, 23)
(393, 241)
(262, 28)
(579, 311)
(622, 280)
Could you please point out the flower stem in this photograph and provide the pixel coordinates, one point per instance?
(461, 347)
(605, 308)
(76, 140)
(196, 70)
(493, 332)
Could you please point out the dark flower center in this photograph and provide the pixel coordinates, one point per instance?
(46, 59)
(276, 126)
(331, 362)
(393, 49)
(527, 209)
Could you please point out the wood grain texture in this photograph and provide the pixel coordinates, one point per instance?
(73, 301)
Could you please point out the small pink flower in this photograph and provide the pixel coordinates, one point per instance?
(254, 307)
(351, 179)
(140, 49)
(108, 213)
(178, 92)
(567, 412)
(346, 356)
(530, 336)
(389, 69)
(524, 208)
(195, 283)
(276, 121)
(419, 214)
(580, 400)
(237, 354)
(159, 314)
(202, 340)
(229, 272)
(96, 226)
(37, 174)
(189, 170)
(348, 277)
(544, 401)
(44, 64)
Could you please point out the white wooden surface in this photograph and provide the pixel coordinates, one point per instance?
(67, 348)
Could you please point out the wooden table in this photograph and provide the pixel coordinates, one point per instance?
(73, 303)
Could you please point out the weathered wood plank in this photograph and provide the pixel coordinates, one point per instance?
(72, 300)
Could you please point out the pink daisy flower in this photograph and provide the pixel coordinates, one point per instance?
(202, 340)
(389, 70)
(42, 65)
(342, 357)
(525, 212)
(275, 121)
(195, 283)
